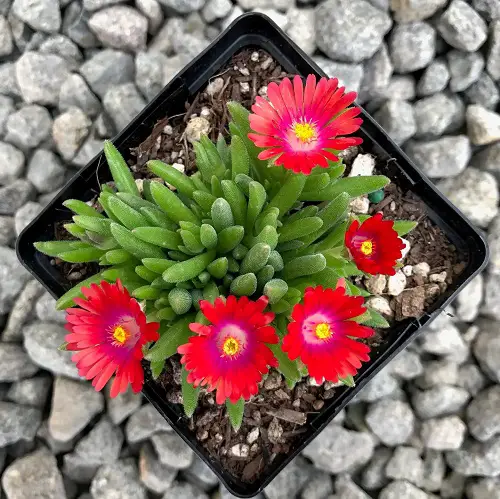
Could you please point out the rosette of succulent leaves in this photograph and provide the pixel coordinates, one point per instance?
(238, 225)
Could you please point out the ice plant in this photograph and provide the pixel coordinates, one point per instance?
(232, 354)
(236, 243)
(303, 126)
(374, 245)
(108, 332)
(322, 333)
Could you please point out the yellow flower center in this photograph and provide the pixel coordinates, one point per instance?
(305, 132)
(367, 248)
(323, 331)
(231, 346)
(120, 334)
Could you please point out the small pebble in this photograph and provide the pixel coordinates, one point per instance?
(245, 87)
(376, 284)
(215, 86)
(240, 450)
(197, 127)
(253, 436)
(168, 130)
(421, 269)
(245, 71)
(407, 270)
(265, 65)
(254, 57)
(406, 249)
(263, 91)
(205, 112)
(380, 305)
(396, 283)
(441, 277)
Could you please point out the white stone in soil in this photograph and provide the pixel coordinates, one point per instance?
(380, 305)
(441, 434)
(363, 165)
(406, 249)
(483, 125)
(407, 270)
(441, 277)
(253, 435)
(215, 86)
(421, 269)
(197, 127)
(396, 283)
(483, 414)
(240, 450)
(153, 12)
(6, 42)
(376, 284)
(360, 205)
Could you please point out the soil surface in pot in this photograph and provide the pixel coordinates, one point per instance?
(275, 421)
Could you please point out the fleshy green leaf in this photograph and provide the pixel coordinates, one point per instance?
(218, 268)
(256, 258)
(375, 320)
(129, 217)
(229, 238)
(240, 162)
(67, 298)
(54, 248)
(286, 366)
(257, 198)
(128, 241)
(236, 200)
(288, 193)
(158, 236)
(244, 285)
(235, 413)
(208, 236)
(157, 265)
(348, 381)
(264, 276)
(402, 227)
(304, 265)
(189, 269)
(117, 256)
(146, 293)
(82, 255)
(94, 224)
(173, 177)
(189, 394)
(171, 338)
(180, 300)
(121, 173)
(275, 289)
(170, 203)
(299, 228)
(157, 368)
(222, 214)
(81, 208)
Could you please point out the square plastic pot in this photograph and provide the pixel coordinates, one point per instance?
(257, 31)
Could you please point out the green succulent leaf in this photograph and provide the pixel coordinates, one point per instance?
(208, 236)
(128, 241)
(235, 413)
(256, 258)
(67, 299)
(275, 290)
(189, 394)
(157, 368)
(171, 338)
(244, 285)
(304, 265)
(170, 203)
(299, 228)
(173, 177)
(403, 227)
(180, 300)
(286, 366)
(236, 200)
(189, 269)
(229, 238)
(82, 255)
(120, 171)
(54, 248)
(288, 194)
(218, 268)
(222, 214)
(240, 162)
(158, 236)
(81, 208)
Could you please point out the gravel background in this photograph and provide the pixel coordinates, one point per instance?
(73, 73)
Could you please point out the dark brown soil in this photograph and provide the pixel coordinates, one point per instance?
(275, 420)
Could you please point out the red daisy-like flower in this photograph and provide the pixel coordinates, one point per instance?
(302, 126)
(108, 332)
(374, 245)
(231, 355)
(322, 334)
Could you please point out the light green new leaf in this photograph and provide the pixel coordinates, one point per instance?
(304, 265)
(81, 208)
(82, 255)
(189, 394)
(289, 193)
(235, 413)
(189, 269)
(54, 248)
(171, 338)
(229, 238)
(299, 228)
(286, 366)
(256, 258)
(222, 214)
(158, 236)
(240, 162)
(157, 368)
(128, 241)
(67, 299)
(170, 203)
(94, 224)
(173, 177)
(402, 227)
(120, 171)
(129, 217)
(236, 200)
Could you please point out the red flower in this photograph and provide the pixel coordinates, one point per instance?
(109, 331)
(231, 355)
(374, 245)
(302, 126)
(322, 334)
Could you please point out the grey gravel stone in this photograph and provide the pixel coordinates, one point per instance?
(462, 27)
(494, 229)
(11, 163)
(300, 28)
(76, 93)
(401, 87)
(22, 309)
(6, 109)
(485, 488)
(41, 341)
(55, 446)
(346, 488)
(476, 459)
(46, 310)
(8, 80)
(145, 423)
(493, 57)
(32, 392)
(444, 157)
(434, 471)
(120, 27)
(406, 365)
(382, 385)
(151, 9)
(483, 92)
(90, 148)
(18, 422)
(434, 79)
(201, 475)
(406, 11)
(63, 47)
(392, 421)
(398, 119)
(216, 9)
(25, 215)
(28, 127)
(491, 297)
(470, 299)
(412, 46)
(69, 131)
(346, 16)
(172, 451)
(483, 125)
(184, 489)
(123, 103)
(7, 234)
(340, 450)
(34, 475)
(436, 114)
(183, 6)
(123, 405)
(400, 489)
(6, 42)
(349, 75)
(76, 27)
(12, 276)
(475, 192)
(489, 9)
(291, 480)
(440, 400)
(465, 69)
(318, 485)
(107, 69)
(438, 372)
(40, 77)
(377, 72)
(118, 480)
(174, 65)
(12, 197)
(14, 363)
(154, 475)
(41, 15)
(453, 485)
(471, 378)
(101, 446)
(92, 5)
(374, 476)
(406, 464)
(149, 72)
(45, 171)
(446, 433)
(483, 414)
(68, 419)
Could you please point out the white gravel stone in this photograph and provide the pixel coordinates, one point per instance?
(42, 15)
(11, 163)
(392, 421)
(440, 400)
(172, 451)
(300, 29)
(76, 93)
(406, 11)
(483, 414)
(195, 128)
(396, 283)
(349, 75)
(6, 42)
(28, 127)
(483, 125)
(69, 131)
(363, 165)
(153, 12)
(446, 433)
(469, 300)
(376, 284)
(380, 305)
(123, 103)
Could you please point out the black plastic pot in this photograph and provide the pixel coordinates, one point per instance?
(255, 30)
